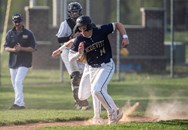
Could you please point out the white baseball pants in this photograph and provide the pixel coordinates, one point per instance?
(98, 78)
(85, 92)
(17, 77)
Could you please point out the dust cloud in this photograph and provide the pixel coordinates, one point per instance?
(156, 111)
(167, 110)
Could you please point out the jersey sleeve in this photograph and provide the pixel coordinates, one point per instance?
(64, 30)
(114, 26)
(108, 28)
(7, 40)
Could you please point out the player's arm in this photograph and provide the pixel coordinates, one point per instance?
(73, 55)
(67, 44)
(9, 49)
(66, 39)
(25, 49)
(18, 48)
(120, 27)
(60, 49)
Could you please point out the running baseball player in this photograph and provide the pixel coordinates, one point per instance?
(84, 82)
(94, 44)
(74, 68)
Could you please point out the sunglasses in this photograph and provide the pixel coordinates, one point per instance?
(17, 21)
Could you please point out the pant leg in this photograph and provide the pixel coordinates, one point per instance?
(20, 74)
(13, 73)
(85, 86)
(96, 106)
(85, 92)
(100, 79)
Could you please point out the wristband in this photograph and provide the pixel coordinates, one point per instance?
(125, 36)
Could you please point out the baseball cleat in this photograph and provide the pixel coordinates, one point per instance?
(119, 115)
(115, 116)
(16, 107)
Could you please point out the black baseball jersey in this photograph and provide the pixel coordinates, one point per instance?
(26, 39)
(97, 48)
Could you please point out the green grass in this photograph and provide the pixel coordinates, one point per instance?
(48, 100)
(178, 36)
(162, 125)
(53, 102)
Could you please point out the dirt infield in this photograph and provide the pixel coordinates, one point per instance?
(71, 123)
(152, 116)
(35, 126)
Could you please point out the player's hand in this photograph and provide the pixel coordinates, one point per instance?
(56, 53)
(17, 47)
(81, 48)
(125, 42)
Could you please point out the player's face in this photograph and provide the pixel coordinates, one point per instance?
(17, 23)
(83, 31)
(74, 13)
(82, 28)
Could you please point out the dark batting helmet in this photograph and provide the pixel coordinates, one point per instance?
(83, 21)
(72, 7)
(17, 17)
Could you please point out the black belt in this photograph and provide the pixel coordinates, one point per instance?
(99, 65)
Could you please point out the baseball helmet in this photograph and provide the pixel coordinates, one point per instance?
(74, 6)
(83, 21)
(17, 17)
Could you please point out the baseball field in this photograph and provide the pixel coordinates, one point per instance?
(148, 101)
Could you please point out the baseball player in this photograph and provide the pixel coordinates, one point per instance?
(74, 68)
(84, 82)
(20, 43)
(94, 44)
